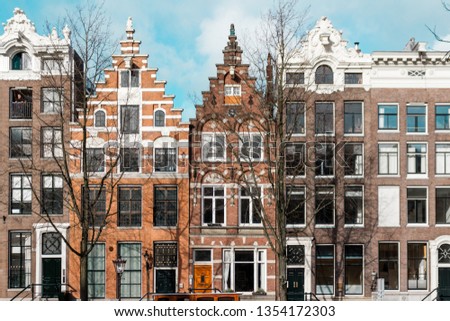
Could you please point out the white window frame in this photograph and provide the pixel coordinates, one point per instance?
(425, 224)
(425, 106)
(435, 205)
(362, 268)
(445, 130)
(361, 164)
(297, 190)
(408, 154)
(334, 159)
(388, 174)
(398, 260)
(213, 218)
(100, 110)
(427, 267)
(334, 269)
(250, 136)
(53, 143)
(362, 206)
(57, 102)
(232, 90)
(303, 115)
(315, 118)
(213, 136)
(362, 117)
(446, 159)
(329, 187)
(251, 200)
(388, 130)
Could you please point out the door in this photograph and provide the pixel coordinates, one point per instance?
(51, 277)
(165, 281)
(296, 284)
(202, 278)
(444, 284)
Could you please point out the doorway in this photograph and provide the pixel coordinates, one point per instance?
(296, 284)
(202, 278)
(51, 277)
(444, 283)
(165, 281)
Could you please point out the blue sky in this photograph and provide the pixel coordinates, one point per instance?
(185, 38)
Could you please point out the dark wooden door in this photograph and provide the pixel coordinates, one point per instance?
(296, 284)
(165, 281)
(444, 284)
(51, 277)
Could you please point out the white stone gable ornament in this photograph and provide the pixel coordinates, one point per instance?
(19, 23)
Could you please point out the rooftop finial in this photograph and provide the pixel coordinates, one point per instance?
(130, 29)
(232, 31)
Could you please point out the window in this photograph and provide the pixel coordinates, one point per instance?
(165, 159)
(324, 118)
(19, 271)
(353, 118)
(353, 158)
(100, 118)
(388, 159)
(213, 205)
(244, 270)
(213, 147)
(21, 194)
(442, 205)
(295, 78)
(416, 119)
(295, 118)
(21, 104)
(444, 254)
(160, 117)
(232, 94)
(52, 65)
(52, 194)
(166, 262)
(20, 142)
(353, 205)
(417, 266)
(52, 100)
(442, 159)
(166, 206)
(417, 158)
(324, 159)
(129, 78)
(96, 199)
(21, 61)
(324, 269)
(353, 78)
(202, 256)
(51, 243)
(324, 206)
(96, 272)
(95, 160)
(295, 254)
(129, 160)
(130, 200)
(251, 147)
(387, 117)
(443, 117)
(295, 159)
(417, 205)
(296, 202)
(250, 205)
(324, 75)
(354, 279)
(130, 119)
(388, 265)
(131, 277)
(51, 142)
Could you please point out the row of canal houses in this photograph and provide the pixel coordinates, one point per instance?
(168, 194)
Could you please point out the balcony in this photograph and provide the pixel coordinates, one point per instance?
(21, 106)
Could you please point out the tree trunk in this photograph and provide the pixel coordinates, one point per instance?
(83, 271)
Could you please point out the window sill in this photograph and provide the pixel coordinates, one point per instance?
(324, 176)
(388, 176)
(417, 225)
(388, 131)
(324, 226)
(354, 135)
(447, 225)
(417, 133)
(295, 225)
(354, 176)
(353, 225)
(416, 176)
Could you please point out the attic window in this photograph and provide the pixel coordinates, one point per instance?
(20, 61)
(416, 73)
(324, 75)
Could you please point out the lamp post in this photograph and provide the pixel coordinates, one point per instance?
(119, 265)
(148, 266)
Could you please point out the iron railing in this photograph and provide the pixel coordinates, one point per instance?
(20, 110)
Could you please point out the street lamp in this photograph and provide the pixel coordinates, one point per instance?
(119, 265)
(148, 266)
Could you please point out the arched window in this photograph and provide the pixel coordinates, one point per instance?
(159, 118)
(324, 75)
(100, 119)
(20, 61)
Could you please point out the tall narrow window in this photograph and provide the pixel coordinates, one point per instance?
(295, 118)
(19, 271)
(251, 147)
(417, 158)
(95, 160)
(442, 205)
(52, 194)
(166, 262)
(353, 159)
(51, 146)
(129, 78)
(295, 159)
(213, 147)
(417, 205)
(130, 119)
(160, 118)
(324, 118)
(52, 100)
(213, 205)
(232, 94)
(324, 269)
(165, 207)
(96, 199)
(354, 280)
(295, 211)
(388, 265)
(130, 199)
(96, 272)
(387, 117)
(443, 159)
(100, 118)
(165, 159)
(20, 142)
(129, 160)
(324, 159)
(443, 117)
(353, 120)
(131, 277)
(416, 119)
(388, 159)
(324, 205)
(353, 205)
(417, 266)
(324, 75)
(21, 194)
(250, 205)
